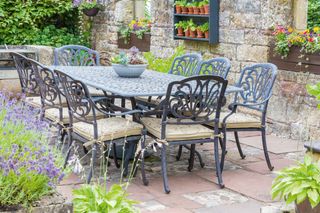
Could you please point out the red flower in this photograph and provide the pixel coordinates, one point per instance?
(311, 39)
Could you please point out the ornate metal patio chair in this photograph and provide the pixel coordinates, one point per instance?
(76, 55)
(257, 82)
(95, 132)
(27, 78)
(188, 104)
(185, 65)
(215, 66)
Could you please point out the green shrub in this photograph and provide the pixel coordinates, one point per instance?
(93, 198)
(313, 13)
(315, 91)
(163, 64)
(34, 22)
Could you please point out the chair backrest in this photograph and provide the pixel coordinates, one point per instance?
(216, 66)
(27, 77)
(76, 55)
(78, 98)
(185, 65)
(51, 95)
(194, 100)
(257, 82)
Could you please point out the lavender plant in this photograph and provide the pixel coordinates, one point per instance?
(29, 168)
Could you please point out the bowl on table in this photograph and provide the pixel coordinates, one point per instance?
(130, 70)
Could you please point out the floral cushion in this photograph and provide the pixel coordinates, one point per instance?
(177, 132)
(109, 129)
(95, 92)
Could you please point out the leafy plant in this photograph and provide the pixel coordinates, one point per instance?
(92, 198)
(313, 13)
(21, 22)
(133, 57)
(191, 25)
(204, 2)
(315, 91)
(182, 3)
(204, 27)
(163, 64)
(138, 27)
(181, 24)
(296, 184)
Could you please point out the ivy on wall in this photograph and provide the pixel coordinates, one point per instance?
(45, 22)
(313, 13)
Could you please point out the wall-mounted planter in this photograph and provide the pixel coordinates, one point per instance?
(296, 61)
(142, 44)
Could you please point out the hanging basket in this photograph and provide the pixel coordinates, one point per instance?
(91, 12)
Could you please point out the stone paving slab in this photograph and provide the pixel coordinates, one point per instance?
(262, 168)
(275, 144)
(249, 206)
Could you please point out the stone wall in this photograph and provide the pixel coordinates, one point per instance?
(244, 39)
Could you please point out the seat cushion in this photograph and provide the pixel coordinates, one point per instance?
(240, 120)
(53, 115)
(177, 132)
(109, 129)
(154, 100)
(34, 102)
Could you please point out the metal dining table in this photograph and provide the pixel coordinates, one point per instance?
(150, 83)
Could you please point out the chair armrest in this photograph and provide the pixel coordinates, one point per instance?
(235, 105)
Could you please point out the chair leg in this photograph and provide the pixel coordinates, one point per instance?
(129, 150)
(179, 153)
(236, 136)
(222, 142)
(191, 159)
(114, 149)
(143, 171)
(164, 169)
(70, 143)
(218, 169)
(265, 149)
(93, 158)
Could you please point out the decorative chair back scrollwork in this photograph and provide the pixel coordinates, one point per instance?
(75, 55)
(216, 66)
(78, 98)
(257, 82)
(27, 77)
(194, 100)
(50, 93)
(185, 65)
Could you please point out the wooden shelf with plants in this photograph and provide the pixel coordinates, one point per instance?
(196, 20)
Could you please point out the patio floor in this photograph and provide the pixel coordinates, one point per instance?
(247, 182)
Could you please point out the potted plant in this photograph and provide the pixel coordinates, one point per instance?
(200, 33)
(196, 9)
(180, 26)
(191, 29)
(205, 29)
(206, 7)
(299, 184)
(88, 7)
(201, 7)
(183, 6)
(179, 5)
(129, 65)
(190, 7)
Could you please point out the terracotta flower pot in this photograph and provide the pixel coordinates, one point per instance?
(190, 10)
(184, 10)
(178, 9)
(206, 9)
(196, 10)
(305, 207)
(202, 12)
(199, 34)
(187, 33)
(206, 34)
(193, 34)
(180, 31)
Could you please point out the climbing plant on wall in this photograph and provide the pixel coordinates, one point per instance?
(313, 13)
(45, 22)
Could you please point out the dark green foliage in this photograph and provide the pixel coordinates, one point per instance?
(35, 22)
(313, 13)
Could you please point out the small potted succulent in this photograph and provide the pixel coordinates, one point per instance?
(300, 185)
(180, 26)
(129, 65)
(88, 7)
